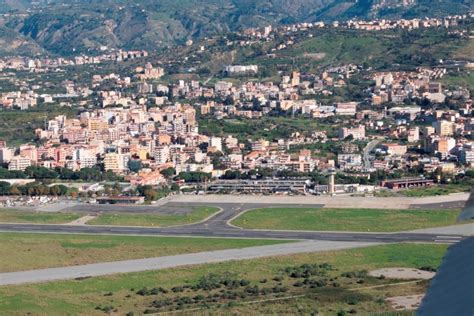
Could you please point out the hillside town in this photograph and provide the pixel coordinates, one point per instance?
(236, 157)
(141, 134)
(153, 132)
(370, 25)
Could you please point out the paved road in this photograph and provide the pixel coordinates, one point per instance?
(107, 268)
(366, 153)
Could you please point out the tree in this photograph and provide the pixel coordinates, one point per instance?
(194, 176)
(135, 165)
(40, 173)
(150, 194)
(4, 187)
(63, 190)
(232, 174)
(174, 187)
(117, 186)
(54, 190)
(14, 190)
(168, 172)
(11, 174)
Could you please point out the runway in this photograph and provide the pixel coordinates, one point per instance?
(218, 226)
(137, 265)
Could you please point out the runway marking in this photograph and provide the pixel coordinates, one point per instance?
(444, 241)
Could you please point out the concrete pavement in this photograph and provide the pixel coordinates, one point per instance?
(83, 220)
(461, 229)
(107, 268)
(447, 201)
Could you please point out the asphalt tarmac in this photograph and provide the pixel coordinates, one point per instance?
(218, 226)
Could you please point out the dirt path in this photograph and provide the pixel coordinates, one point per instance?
(83, 220)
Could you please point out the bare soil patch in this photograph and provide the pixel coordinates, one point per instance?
(402, 273)
(408, 302)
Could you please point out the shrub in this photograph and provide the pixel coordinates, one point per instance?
(244, 282)
(154, 291)
(308, 270)
(144, 291)
(252, 290)
(177, 289)
(279, 289)
(199, 297)
(355, 274)
(429, 269)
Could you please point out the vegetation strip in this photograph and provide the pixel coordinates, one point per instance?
(338, 219)
(325, 277)
(27, 251)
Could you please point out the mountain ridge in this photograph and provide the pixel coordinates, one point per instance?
(69, 27)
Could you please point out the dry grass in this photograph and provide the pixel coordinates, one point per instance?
(34, 251)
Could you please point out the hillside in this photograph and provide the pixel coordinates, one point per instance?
(15, 43)
(73, 26)
(317, 49)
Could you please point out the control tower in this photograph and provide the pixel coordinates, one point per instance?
(332, 181)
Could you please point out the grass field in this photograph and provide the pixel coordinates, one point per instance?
(34, 251)
(373, 220)
(119, 293)
(20, 216)
(436, 190)
(465, 80)
(157, 220)
(18, 127)
(267, 127)
(381, 50)
(465, 51)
